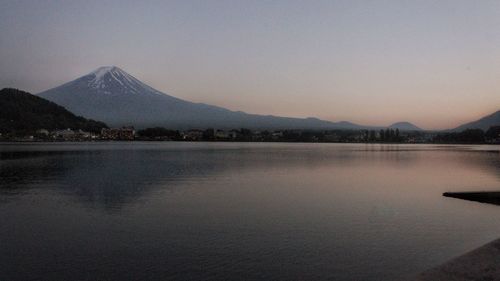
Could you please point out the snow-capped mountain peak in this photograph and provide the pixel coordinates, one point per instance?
(101, 71)
(112, 80)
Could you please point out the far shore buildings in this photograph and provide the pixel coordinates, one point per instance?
(247, 135)
(124, 133)
(210, 134)
(71, 135)
(43, 132)
(193, 135)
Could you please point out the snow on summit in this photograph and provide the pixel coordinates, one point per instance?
(101, 71)
(111, 80)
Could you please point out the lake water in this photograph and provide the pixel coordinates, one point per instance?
(239, 211)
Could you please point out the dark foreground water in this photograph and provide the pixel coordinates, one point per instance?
(230, 211)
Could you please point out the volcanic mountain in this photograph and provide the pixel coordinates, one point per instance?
(484, 123)
(405, 126)
(117, 98)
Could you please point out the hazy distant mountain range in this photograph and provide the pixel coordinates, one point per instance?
(111, 95)
(483, 123)
(404, 126)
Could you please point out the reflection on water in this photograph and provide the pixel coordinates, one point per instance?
(229, 211)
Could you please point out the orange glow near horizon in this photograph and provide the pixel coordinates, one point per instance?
(434, 64)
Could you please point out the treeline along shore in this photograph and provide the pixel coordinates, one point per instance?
(26, 117)
(469, 136)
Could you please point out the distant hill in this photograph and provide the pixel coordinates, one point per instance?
(405, 126)
(22, 111)
(484, 123)
(117, 98)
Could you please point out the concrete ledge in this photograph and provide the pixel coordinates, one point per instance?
(480, 264)
(491, 197)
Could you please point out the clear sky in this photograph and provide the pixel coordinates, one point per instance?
(433, 63)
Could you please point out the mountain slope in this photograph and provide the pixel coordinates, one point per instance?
(484, 123)
(405, 126)
(22, 111)
(112, 95)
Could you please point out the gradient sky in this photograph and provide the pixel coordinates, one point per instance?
(433, 63)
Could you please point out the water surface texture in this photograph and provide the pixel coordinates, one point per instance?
(239, 211)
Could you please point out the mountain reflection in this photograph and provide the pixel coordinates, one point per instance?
(112, 176)
(110, 179)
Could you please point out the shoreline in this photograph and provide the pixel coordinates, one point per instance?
(482, 263)
(226, 141)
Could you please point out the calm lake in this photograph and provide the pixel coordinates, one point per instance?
(239, 211)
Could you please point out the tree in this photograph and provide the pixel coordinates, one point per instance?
(472, 136)
(159, 132)
(387, 136)
(209, 134)
(493, 133)
(23, 112)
